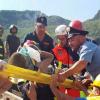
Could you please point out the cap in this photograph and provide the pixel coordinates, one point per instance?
(61, 30)
(73, 32)
(76, 28)
(42, 20)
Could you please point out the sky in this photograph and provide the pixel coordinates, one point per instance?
(69, 9)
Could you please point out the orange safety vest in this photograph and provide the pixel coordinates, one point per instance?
(62, 55)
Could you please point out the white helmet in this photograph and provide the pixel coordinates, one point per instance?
(61, 30)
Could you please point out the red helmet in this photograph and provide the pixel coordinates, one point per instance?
(76, 28)
(76, 24)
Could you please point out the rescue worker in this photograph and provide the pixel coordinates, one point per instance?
(2, 51)
(12, 40)
(40, 36)
(89, 53)
(62, 52)
(45, 43)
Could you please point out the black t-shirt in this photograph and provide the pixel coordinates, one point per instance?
(44, 92)
(13, 42)
(46, 44)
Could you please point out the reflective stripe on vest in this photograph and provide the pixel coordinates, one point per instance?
(82, 94)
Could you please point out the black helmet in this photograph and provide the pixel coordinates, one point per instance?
(13, 26)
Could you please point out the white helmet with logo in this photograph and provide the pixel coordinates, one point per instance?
(61, 30)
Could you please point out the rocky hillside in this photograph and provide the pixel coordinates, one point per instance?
(25, 19)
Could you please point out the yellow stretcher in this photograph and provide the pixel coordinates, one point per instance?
(21, 73)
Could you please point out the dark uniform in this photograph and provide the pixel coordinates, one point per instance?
(13, 42)
(1, 49)
(46, 44)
